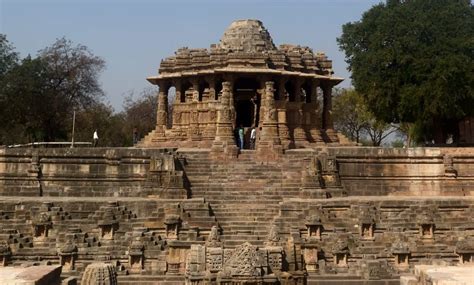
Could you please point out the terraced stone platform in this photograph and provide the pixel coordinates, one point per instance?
(175, 216)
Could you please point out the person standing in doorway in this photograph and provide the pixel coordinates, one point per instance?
(253, 137)
(241, 137)
(95, 138)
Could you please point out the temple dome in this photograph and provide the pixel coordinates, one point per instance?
(247, 36)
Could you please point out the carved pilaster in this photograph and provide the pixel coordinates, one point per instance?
(162, 111)
(212, 87)
(269, 143)
(283, 130)
(299, 133)
(224, 143)
(328, 124)
(314, 123)
(195, 83)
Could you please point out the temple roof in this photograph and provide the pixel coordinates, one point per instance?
(247, 36)
(247, 47)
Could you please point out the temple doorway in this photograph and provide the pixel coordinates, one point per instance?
(247, 106)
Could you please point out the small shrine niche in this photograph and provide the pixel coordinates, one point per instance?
(367, 230)
(172, 226)
(466, 257)
(314, 227)
(67, 262)
(107, 231)
(341, 253)
(465, 251)
(427, 230)
(401, 254)
(108, 225)
(41, 231)
(41, 226)
(340, 259)
(68, 256)
(136, 256)
(426, 222)
(401, 259)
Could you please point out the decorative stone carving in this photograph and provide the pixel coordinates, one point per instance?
(213, 240)
(449, 170)
(67, 256)
(5, 253)
(34, 171)
(99, 274)
(246, 260)
(273, 238)
(196, 262)
(376, 270)
(214, 259)
(330, 171)
(275, 258)
(310, 256)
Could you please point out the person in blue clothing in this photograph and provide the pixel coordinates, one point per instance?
(241, 137)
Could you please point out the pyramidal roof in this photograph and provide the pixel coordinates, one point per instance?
(247, 36)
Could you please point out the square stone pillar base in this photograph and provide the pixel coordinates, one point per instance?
(224, 151)
(269, 151)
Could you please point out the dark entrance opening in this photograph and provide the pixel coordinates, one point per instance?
(247, 106)
(245, 113)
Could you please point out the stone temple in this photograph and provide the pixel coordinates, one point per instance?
(188, 207)
(246, 81)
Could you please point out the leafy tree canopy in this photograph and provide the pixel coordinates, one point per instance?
(353, 118)
(412, 61)
(41, 93)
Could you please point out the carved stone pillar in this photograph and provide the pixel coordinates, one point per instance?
(314, 126)
(212, 87)
(299, 133)
(224, 143)
(270, 143)
(194, 132)
(209, 131)
(283, 130)
(162, 112)
(328, 124)
(195, 83)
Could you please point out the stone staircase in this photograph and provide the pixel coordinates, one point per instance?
(243, 193)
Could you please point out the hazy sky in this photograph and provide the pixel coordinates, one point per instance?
(133, 36)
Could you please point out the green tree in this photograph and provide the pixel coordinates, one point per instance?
(8, 57)
(413, 63)
(140, 113)
(41, 93)
(353, 118)
(350, 114)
